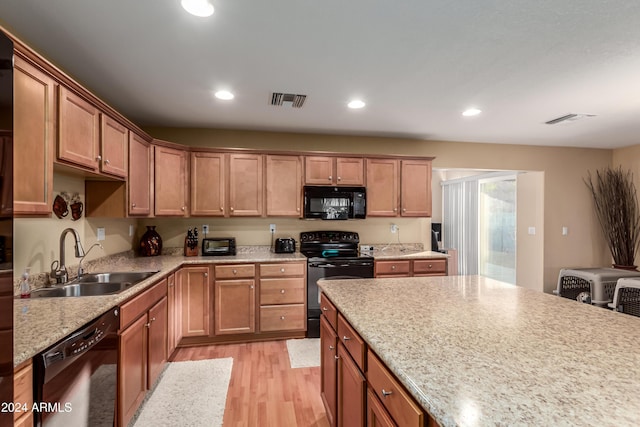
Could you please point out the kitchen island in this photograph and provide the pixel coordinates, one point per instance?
(476, 352)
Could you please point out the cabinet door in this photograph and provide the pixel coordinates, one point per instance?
(245, 185)
(170, 181)
(140, 175)
(196, 301)
(157, 352)
(318, 170)
(208, 183)
(349, 171)
(328, 369)
(132, 369)
(34, 115)
(415, 181)
(382, 187)
(78, 130)
(235, 306)
(284, 185)
(377, 416)
(114, 143)
(351, 391)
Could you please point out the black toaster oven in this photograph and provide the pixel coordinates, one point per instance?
(216, 246)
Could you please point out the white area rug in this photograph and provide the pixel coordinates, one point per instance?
(304, 353)
(190, 393)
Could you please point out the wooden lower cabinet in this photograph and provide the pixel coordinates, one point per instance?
(195, 292)
(174, 314)
(377, 416)
(329, 362)
(235, 306)
(283, 292)
(411, 268)
(142, 348)
(23, 394)
(351, 391)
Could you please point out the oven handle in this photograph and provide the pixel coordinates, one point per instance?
(350, 264)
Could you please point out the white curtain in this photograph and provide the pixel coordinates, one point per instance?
(460, 222)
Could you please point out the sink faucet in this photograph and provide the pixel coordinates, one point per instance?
(80, 268)
(59, 273)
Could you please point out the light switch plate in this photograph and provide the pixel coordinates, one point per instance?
(100, 233)
(532, 231)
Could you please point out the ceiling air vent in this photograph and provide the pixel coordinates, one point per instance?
(279, 99)
(572, 117)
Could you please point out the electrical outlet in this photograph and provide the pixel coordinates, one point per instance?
(272, 228)
(394, 228)
(100, 233)
(205, 228)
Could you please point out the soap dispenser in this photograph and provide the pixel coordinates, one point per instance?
(25, 288)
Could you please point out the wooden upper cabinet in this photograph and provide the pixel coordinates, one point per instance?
(170, 166)
(349, 171)
(78, 130)
(34, 115)
(284, 185)
(321, 170)
(140, 175)
(382, 187)
(114, 143)
(415, 184)
(245, 185)
(208, 183)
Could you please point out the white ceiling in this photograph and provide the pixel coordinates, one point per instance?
(416, 63)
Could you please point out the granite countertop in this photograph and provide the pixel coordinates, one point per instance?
(406, 254)
(475, 352)
(41, 322)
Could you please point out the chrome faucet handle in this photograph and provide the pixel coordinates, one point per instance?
(59, 274)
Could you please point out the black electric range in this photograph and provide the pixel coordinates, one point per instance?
(330, 255)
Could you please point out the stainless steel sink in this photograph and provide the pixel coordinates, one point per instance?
(94, 284)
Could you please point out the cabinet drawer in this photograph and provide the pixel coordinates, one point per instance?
(133, 308)
(430, 266)
(282, 270)
(234, 271)
(282, 291)
(352, 341)
(329, 310)
(282, 318)
(392, 267)
(404, 410)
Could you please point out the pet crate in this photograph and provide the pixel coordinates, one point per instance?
(594, 285)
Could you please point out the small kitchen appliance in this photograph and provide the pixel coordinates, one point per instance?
(218, 246)
(285, 246)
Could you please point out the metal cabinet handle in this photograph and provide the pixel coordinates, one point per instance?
(430, 266)
(282, 270)
(183, 208)
(133, 205)
(325, 309)
(345, 338)
(336, 357)
(393, 267)
(339, 179)
(282, 291)
(331, 347)
(251, 287)
(231, 209)
(235, 271)
(148, 325)
(153, 319)
(330, 177)
(206, 274)
(98, 158)
(386, 393)
(106, 162)
(221, 208)
(395, 209)
(281, 317)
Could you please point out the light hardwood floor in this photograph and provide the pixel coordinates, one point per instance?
(264, 390)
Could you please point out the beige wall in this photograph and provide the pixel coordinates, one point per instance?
(566, 199)
(37, 240)
(530, 247)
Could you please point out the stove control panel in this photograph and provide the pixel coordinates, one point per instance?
(329, 236)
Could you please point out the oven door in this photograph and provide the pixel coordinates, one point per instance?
(330, 269)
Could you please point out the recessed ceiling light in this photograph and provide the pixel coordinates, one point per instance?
(471, 112)
(202, 8)
(224, 95)
(356, 103)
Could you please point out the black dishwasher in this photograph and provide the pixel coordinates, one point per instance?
(75, 379)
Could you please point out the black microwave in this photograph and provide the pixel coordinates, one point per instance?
(335, 203)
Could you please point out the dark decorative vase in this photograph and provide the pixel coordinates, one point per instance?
(626, 267)
(151, 242)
